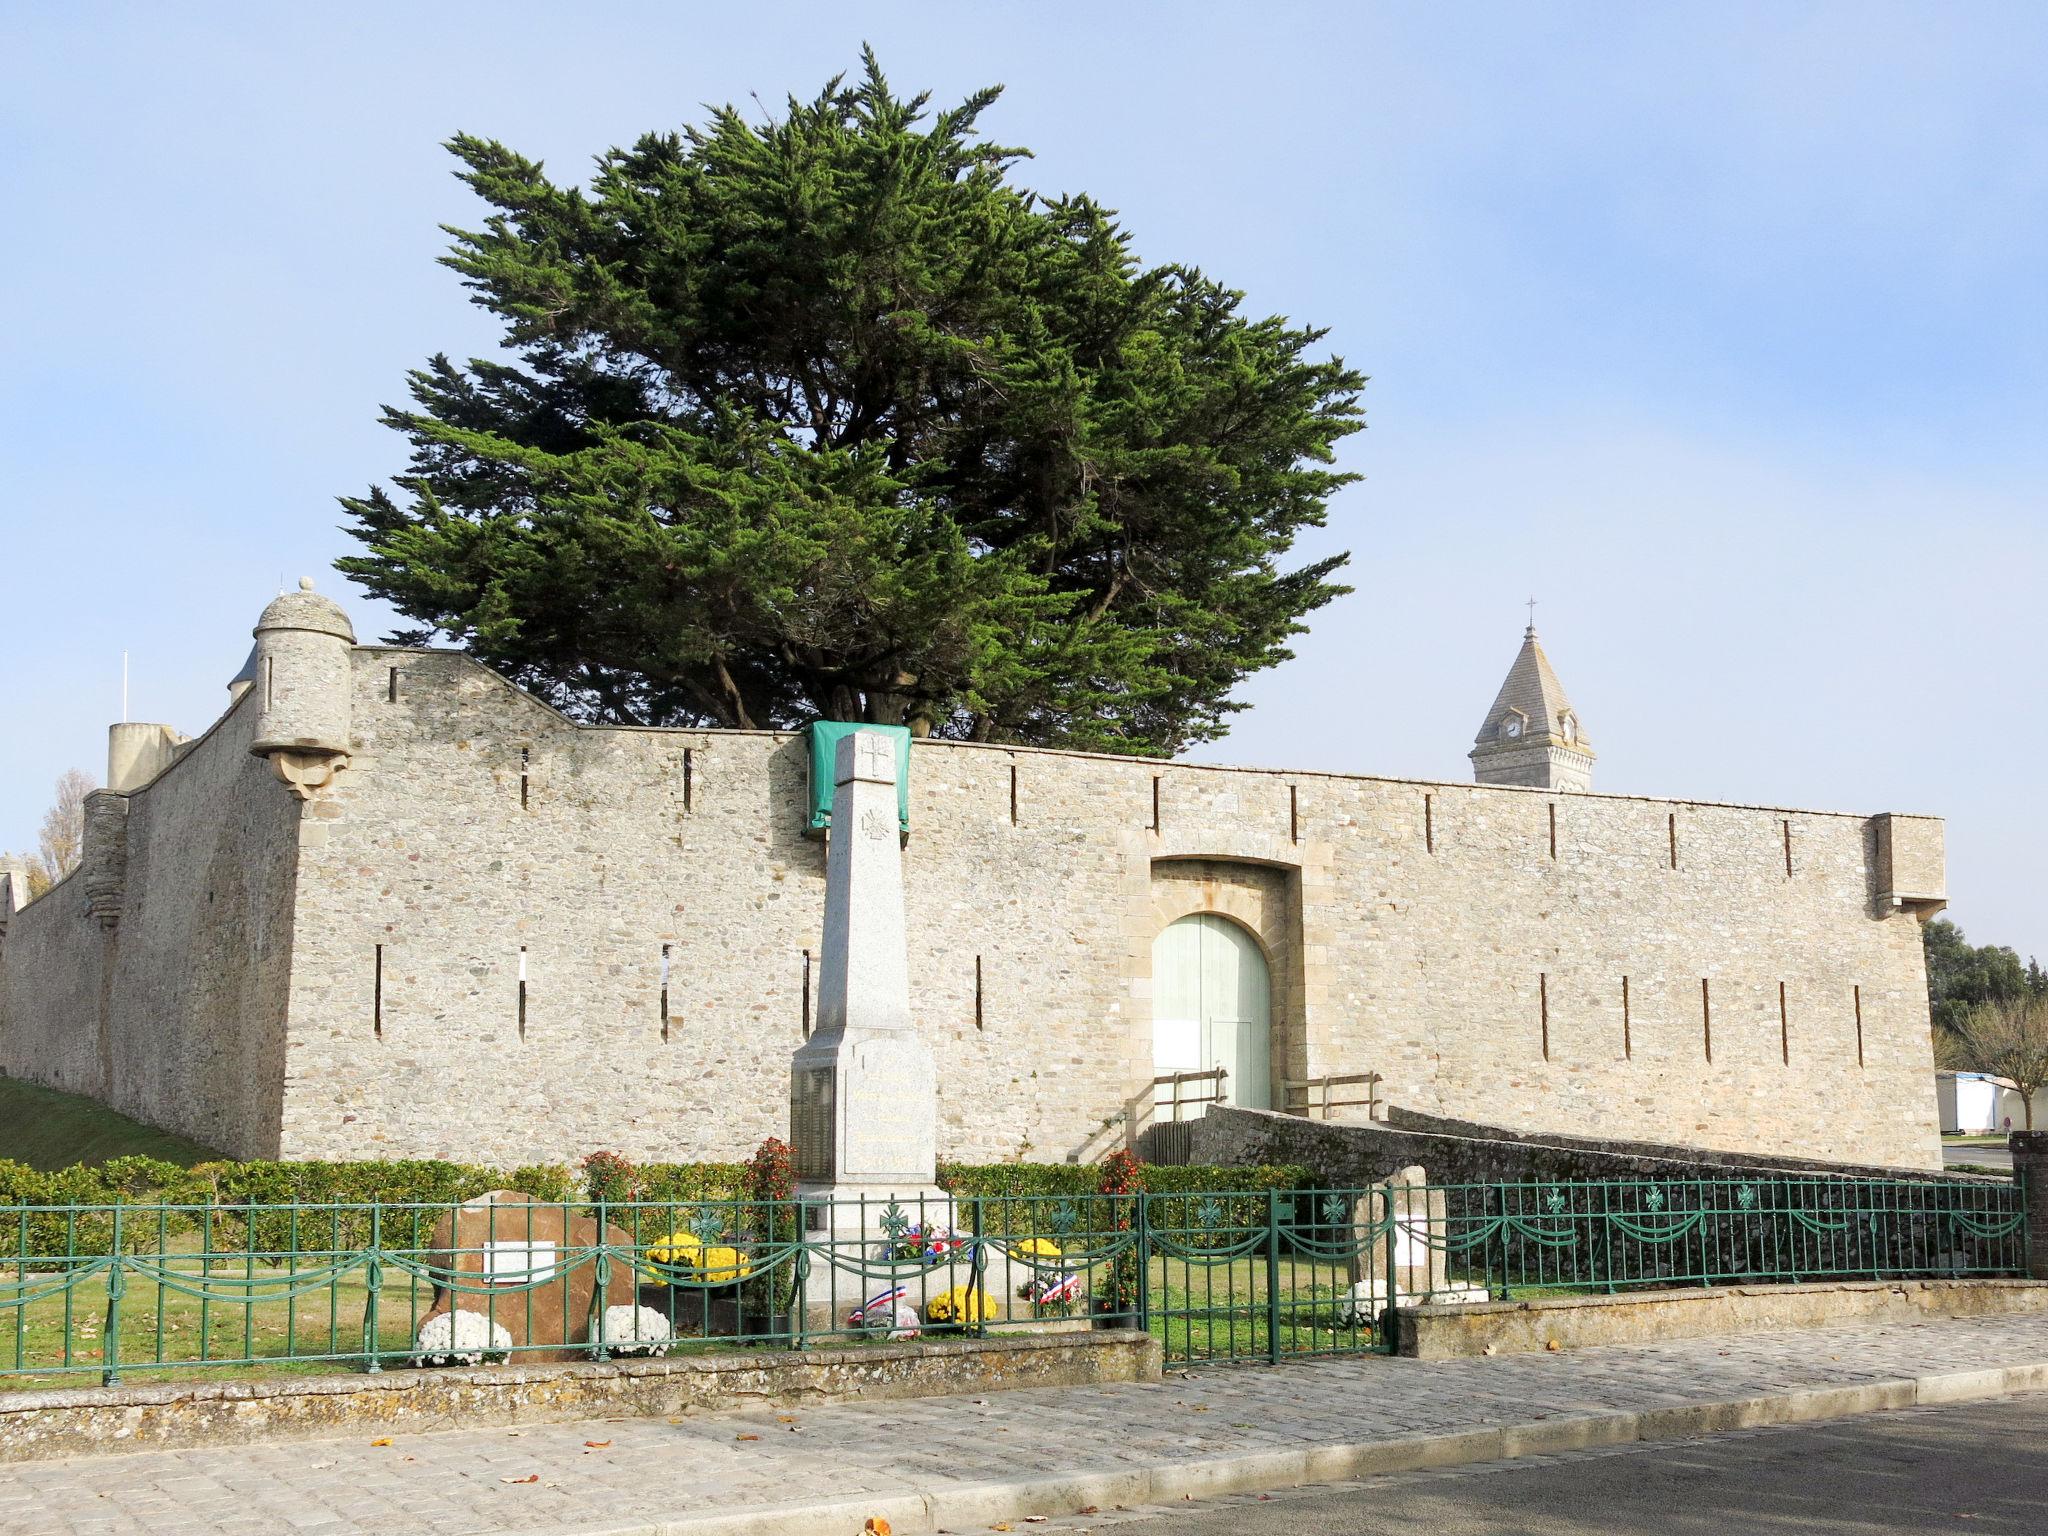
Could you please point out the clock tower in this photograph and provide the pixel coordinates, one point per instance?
(1532, 735)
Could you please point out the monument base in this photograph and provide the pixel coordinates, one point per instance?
(867, 1212)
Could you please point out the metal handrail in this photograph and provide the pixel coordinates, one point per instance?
(1139, 1110)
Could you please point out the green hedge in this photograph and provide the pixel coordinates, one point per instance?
(1034, 1189)
(215, 1194)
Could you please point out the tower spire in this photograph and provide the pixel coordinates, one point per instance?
(1531, 736)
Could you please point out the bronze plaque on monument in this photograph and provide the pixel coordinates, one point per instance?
(810, 1124)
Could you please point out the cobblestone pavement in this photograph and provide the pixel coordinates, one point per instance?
(613, 1474)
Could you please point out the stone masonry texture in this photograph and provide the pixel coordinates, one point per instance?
(342, 977)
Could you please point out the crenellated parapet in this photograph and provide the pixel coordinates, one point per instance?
(301, 683)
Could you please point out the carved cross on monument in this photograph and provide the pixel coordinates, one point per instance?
(863, 1102)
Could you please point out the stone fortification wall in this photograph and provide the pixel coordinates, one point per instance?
(154, 978)
(52, 963)
(1351, 1156)
(1719, 975)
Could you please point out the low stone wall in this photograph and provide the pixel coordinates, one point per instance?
(1708, 1159)
(1348, 1155)
(100, 1420)
(1574, 1322)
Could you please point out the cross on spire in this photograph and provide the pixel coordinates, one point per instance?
(1532, 615)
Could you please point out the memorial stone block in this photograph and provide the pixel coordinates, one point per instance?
(502, 1240)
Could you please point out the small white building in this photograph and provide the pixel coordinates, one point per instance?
(1974, 1103)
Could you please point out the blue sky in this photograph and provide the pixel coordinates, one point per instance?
(1719, 329)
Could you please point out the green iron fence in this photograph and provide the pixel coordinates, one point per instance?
(1258, 1275)
(1502, 1240)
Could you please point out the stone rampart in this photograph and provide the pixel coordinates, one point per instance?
(161, 989)
(500, 936)
(1705, 973)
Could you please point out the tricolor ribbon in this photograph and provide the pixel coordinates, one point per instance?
(883, 1299)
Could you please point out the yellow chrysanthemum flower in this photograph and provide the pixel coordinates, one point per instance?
(716, 1265)
(962, 1304)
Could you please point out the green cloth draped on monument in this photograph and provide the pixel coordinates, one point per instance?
(823, 737)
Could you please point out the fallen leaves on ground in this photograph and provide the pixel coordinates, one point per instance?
(876, 1526)
(531, 1477)
(597, 1445)
(385, 1441)
(746, 1437)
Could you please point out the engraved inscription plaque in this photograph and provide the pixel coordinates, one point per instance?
(810, 1123)
(886, 1136)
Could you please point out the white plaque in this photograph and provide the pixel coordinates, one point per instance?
(518, 1263)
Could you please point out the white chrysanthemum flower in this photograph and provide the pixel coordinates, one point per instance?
(636, 1331)
(460, 1338)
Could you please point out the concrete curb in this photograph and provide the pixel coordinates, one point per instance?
(976, 1506)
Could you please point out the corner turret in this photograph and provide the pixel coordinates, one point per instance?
(301, 685)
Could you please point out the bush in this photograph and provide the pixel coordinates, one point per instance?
(334, 1199)
(1023, 1198)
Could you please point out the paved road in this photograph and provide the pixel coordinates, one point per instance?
(1979, 1467)
(1983, 1156)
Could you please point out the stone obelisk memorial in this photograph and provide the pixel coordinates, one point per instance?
(863, 1092)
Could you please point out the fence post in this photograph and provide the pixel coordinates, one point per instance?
(1272, 1277)
(977, 1271)
(373, 1285)
(1390, 1326)
(1607, 1231)
(1141, 1252)
(117, 1282)
(1500, 1197)
(2030, 1173)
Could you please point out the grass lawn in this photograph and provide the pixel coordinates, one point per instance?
(50, 1130)
(165, 1335)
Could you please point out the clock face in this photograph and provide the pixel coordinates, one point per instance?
(1511, 727)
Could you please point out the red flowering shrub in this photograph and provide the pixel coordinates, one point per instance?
(610, 1176)
(1124, 1177)
(771, 1172)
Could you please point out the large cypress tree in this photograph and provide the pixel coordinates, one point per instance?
(827, 416)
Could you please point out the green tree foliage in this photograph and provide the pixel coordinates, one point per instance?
(1962, 976)
(2007, 1038)
(826, 415)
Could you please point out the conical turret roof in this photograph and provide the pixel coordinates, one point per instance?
(1533, 691)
